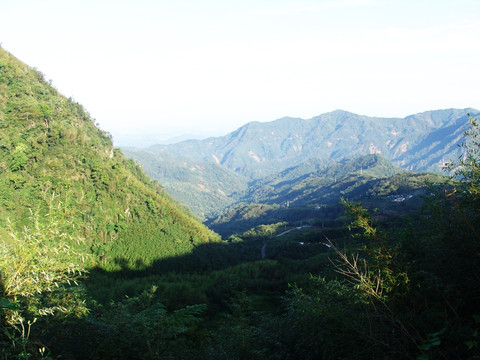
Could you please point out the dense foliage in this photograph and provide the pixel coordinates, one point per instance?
(410, 293)
(50, 145)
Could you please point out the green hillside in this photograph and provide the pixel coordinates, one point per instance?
(295, 185)
(73, 210)
(50, 147)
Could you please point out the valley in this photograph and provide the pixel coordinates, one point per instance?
(252, 163)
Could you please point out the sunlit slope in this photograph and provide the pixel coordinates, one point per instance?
(51, 152)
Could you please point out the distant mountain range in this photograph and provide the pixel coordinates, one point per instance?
(421, 142)
(264, 161)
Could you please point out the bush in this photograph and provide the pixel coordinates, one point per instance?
(39, 274)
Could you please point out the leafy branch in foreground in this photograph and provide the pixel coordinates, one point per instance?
(467, 169)
(384, 273)
(465, 195)
(380, 281)
(356, 271)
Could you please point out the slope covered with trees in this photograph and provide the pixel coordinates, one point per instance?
(301, 197)
(51, 147)
(406, 292)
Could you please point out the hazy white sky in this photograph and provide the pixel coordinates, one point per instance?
(146, 68)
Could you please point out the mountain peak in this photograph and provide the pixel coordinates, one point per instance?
(341, 112)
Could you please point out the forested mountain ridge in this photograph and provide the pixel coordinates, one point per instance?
(421, 142)
(50, 147)
(298, 177)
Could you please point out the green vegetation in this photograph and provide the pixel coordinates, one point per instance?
(403, 293)
(97, 262)
(49, 145)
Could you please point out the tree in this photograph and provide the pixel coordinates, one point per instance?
(19, 158)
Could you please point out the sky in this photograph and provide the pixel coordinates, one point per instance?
(151, 70)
